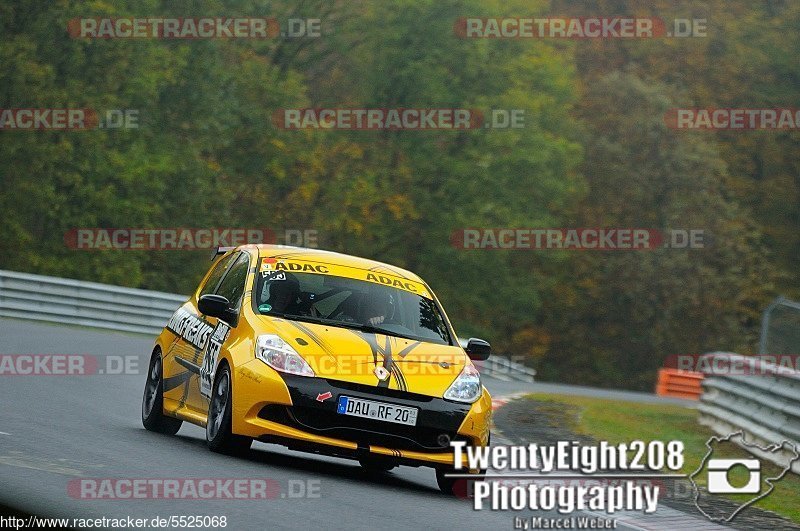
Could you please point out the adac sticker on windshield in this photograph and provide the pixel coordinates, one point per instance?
(270, 266)
(274, 264)
(301, 267)
(400, 283)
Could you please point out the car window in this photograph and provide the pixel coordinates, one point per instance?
(329, 304)
(232, 286)
(350, 303)
(216, 274)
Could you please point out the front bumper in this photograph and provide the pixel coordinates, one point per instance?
(284, 409)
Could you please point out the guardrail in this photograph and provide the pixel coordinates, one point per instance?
(504, 369)
(61, 300)
(748, 394)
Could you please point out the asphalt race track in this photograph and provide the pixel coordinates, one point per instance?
(54, 429)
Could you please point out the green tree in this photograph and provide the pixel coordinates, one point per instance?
(627, 311)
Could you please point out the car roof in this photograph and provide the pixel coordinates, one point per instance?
(329, 257)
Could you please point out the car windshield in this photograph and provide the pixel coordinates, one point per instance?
(350, 303)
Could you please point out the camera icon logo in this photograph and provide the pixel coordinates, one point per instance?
(727, 473)
(719, 481)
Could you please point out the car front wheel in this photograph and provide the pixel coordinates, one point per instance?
(460, 486)
(218, 428)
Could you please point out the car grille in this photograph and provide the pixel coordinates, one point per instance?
(362, 431)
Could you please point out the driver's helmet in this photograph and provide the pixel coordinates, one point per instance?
(282, 291)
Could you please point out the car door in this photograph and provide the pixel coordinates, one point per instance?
(232, 287)
(184, 356)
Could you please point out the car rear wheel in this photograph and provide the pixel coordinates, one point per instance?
(153, 416)
(218, 428)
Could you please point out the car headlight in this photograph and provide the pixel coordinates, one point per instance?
(467, 387)
(280, 355)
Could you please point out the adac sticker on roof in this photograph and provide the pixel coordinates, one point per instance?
(298, 266)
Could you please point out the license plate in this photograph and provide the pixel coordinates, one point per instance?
(369, 409)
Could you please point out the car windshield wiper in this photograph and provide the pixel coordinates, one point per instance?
(316, 320)
(370, 329)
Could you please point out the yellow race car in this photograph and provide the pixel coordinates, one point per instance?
(320, 352)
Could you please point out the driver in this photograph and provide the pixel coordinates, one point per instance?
(378, 308)
(283, 294)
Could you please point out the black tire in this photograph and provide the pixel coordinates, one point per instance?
(218, 428)
(446, 484)
(461, 487)
(376, 466)
(153, 417)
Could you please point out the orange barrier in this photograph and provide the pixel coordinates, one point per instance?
(679, 384)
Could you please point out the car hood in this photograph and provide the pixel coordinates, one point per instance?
(350, 355)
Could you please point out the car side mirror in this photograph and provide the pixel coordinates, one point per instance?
(478, 349)
(214, 306)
